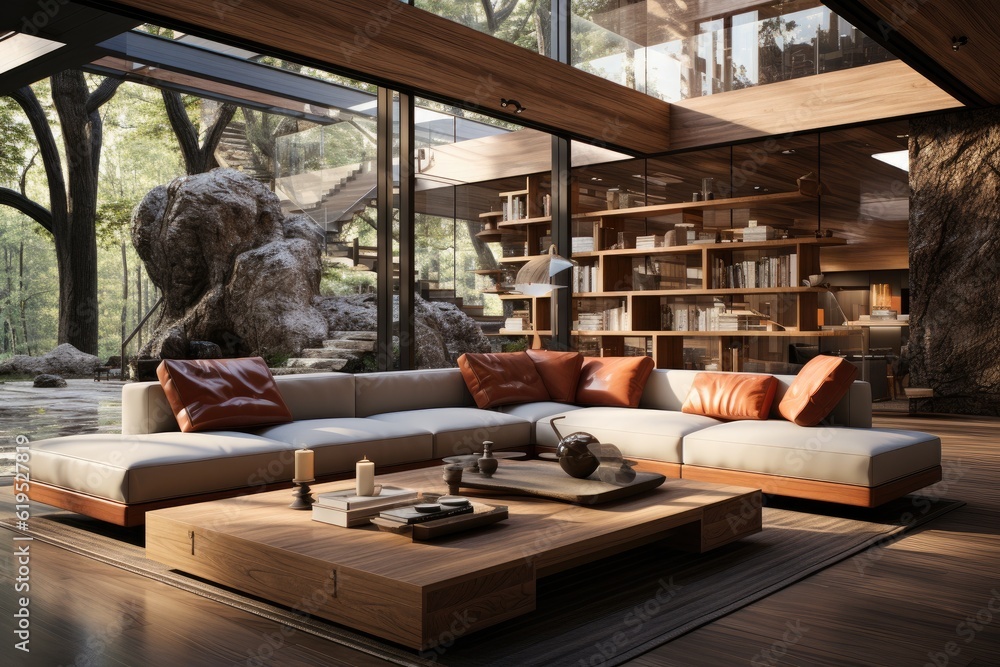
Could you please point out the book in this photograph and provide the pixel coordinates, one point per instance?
(409, 515)
(352, 518)
(349, 500)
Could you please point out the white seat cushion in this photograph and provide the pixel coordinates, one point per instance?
(859, 456)
(639, 433)
(463, 430)
(340, 443)
(538, 410)
(156, 466)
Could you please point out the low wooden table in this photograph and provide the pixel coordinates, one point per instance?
(414, 593)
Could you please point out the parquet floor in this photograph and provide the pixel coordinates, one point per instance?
(905, 603)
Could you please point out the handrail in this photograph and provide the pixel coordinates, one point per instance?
(135, 331)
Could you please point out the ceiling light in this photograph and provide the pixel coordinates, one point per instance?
(898, 159)
(512, 103)
(788, 151)
(17, 49)
(958, 42)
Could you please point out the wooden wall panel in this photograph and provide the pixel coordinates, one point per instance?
(390, 42)
(862, 94)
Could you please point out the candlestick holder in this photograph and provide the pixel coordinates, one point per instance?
(303, 499)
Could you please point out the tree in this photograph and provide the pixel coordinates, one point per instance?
(72, 210)
(198, 157)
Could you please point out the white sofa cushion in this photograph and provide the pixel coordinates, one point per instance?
(157, 466)
(396, 391)
(463, 430)
(535, 411)
(859, 456)
(639, 433)
(340, 443)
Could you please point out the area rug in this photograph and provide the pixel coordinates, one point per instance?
(604, 613)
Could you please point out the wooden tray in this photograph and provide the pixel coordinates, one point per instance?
(547, 480)
(481, 515)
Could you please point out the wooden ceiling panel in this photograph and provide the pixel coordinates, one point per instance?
(931, 27)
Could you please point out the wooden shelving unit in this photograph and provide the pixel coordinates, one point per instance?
(699, 270)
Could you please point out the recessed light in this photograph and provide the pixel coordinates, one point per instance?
(788, 151)
(902, 136)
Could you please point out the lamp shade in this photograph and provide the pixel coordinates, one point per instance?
(534, 278)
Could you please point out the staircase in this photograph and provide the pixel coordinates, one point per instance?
(234, 152)
(490, 324)
(353, 187)
(336, 352)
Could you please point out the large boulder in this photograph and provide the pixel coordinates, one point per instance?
(64, 360)
(233, 269)
(442, 330)
(47, 381)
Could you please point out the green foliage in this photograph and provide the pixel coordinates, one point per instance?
(517, 345)
(113, 218)
(343, 280)
(16, 139)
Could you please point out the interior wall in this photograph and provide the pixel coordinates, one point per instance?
(954, 347)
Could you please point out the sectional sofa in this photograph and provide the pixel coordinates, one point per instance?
(415, 418)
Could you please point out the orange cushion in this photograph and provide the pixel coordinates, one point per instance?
(212, 394)
(613, 381)
(731, 395)
(560, 372)
(816, 390)
(501, 378)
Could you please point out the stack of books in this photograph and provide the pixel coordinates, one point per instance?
(519, 320)
(762, 233)
(583, 244)
(651, 241)
(347, 509)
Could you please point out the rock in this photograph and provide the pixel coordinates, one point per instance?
(233, 269)
(203, 349)
(64, 360)
(442, 330)
(953, 343)
(47, 381)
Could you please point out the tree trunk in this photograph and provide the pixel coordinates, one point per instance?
(124, 318)
(75, 233)
(197, 158)
(140, 311)
(23, 302)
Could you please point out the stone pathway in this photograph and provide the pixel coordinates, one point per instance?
(82, 406)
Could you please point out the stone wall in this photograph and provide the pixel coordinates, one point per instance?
(954, 236)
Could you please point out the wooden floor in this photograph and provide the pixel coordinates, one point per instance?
(934, 592)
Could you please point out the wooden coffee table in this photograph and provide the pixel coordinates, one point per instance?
(416, 593)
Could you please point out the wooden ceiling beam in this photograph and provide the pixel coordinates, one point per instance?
(391, 43)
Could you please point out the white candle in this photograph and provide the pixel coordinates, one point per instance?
(364, 472)
(304, 465)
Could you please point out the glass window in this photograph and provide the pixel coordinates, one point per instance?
(521, 22)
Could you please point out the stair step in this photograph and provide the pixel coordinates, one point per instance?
(472, 311)
(316, 364)
(345, 345)
(354, 335)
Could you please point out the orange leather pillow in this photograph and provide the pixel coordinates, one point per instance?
(816, 390)
(731, 395)
(212, 394)
(560, 372)
(613, 381)
(501, 378)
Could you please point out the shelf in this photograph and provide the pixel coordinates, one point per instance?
(491, 214)
(698, 247)
(525, 332)
(541, 220)
(513, 193)
(518, 259)
(712, 205)
(486, 272)
(711, 334)
(514, 296)
(697, 291)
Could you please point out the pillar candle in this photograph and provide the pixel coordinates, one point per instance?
(304, 465)
(364, 472)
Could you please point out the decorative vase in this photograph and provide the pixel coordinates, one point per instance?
(575, 457)
(487, 464)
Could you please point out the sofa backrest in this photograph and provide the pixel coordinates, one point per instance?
(667, 389)
(395, 391)
(308, 396)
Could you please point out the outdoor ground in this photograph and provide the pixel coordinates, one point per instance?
(83, 406)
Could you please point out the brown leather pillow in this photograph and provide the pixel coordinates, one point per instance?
(816, 390)
(212, 394)
(613, 381)
(731, 395)
(501, 378)
(560, 372)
